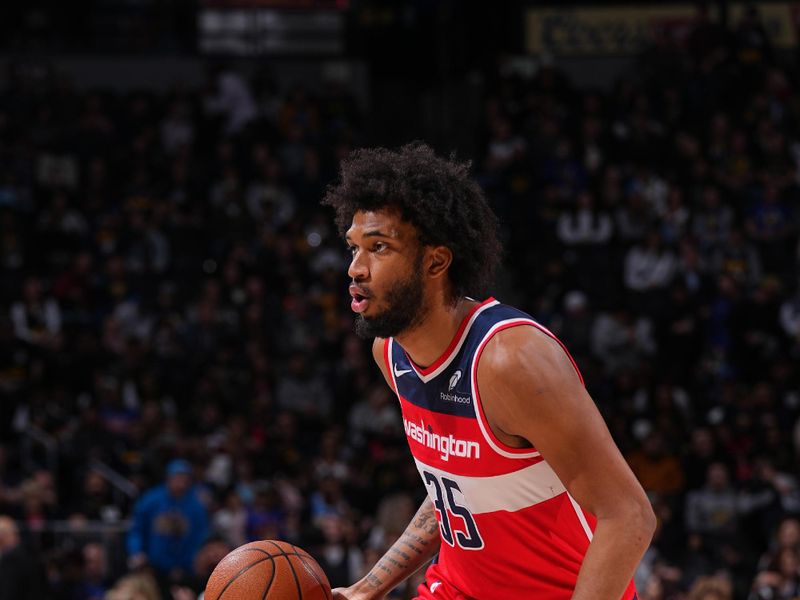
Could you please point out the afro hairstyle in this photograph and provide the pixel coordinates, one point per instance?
(434, 194)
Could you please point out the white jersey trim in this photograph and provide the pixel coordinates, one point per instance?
(509, 492)
(387, 358)
(454, 353)
(581, 517)
(476, 398)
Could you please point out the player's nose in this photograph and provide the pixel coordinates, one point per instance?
(358, 269)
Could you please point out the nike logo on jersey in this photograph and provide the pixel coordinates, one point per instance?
(435, 585)
(400, 372)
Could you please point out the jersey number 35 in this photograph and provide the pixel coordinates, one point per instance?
(445, 504)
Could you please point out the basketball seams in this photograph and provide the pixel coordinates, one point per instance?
(291, 566)
(271, 579)
(244, 570)
(311, 571)
(307, 578)
(265, 553)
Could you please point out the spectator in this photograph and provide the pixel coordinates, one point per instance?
(95, 501)
(574, 327)
(21, 573)
(781, 580)
(711, 588)
(657, 469)
(621, 341)
(753, 45)
(713, 510)
(303, 390)
(701, 453)
(505, 147)
(585, 233)
(230, 521)
(231, 97)
(769, 224)
(738, 259)
(266, 517)
(328, 500)
(649, 268)
(339, 556)
(170, 523)
(712, 222)
(632, 220)
(136, 586)
(37, 319)
(679, 334)
(95, 573)
(375, 415)
(212, 551)
(586, 225)
(790, 318)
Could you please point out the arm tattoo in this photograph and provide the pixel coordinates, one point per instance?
(426, 521)
(399, 552)
(403, 556)
(413, 542)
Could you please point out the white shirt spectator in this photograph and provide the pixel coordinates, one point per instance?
(585, 226)
(235, 99)
(650, 266)
(36, 320)
(620, 341)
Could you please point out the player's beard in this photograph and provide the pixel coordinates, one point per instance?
(404, 309)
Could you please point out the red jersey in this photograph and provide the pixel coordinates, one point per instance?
(508, 526)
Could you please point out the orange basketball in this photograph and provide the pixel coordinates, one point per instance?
(268, 570)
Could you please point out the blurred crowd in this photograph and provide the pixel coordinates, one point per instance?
(173, 314)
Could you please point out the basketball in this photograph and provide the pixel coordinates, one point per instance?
(268, 570)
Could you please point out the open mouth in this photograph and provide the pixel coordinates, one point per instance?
(360, 299)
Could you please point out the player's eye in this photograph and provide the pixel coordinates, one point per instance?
(379, 246)
(351, 250)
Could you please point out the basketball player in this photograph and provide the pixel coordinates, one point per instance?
(528, 496)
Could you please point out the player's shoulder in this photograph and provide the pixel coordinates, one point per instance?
(526, 347)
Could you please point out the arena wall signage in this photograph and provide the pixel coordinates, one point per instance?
(271, 27)
(624, 30)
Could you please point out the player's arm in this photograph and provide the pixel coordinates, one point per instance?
(530, 391)
(419, 542)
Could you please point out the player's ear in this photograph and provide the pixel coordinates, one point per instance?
(438, 261)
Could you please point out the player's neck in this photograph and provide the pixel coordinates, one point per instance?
(426, 342)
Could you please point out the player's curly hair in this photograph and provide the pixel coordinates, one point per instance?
(436, 196)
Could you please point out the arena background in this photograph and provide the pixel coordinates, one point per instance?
(171, 289)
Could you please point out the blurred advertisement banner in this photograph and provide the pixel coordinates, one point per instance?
(625, 30)
(292, 4)
(266, 31)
